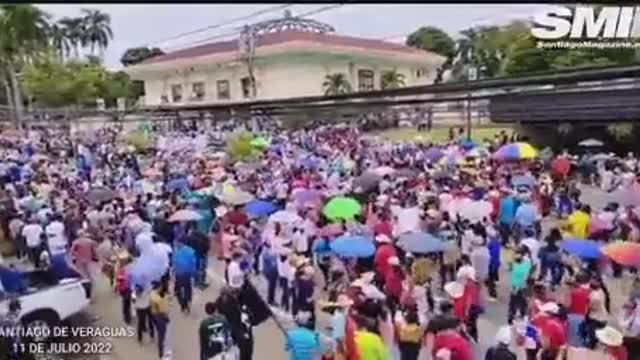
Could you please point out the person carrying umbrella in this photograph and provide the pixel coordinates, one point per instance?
(184, 265)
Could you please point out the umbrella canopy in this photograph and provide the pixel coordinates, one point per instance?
(384, 170)
(434, 154)
(180, 184)
(422, 243)
(468, 144)
(353, 246)
(516, 151)
(185, 215)
(585, 249)
(342, 208)
(236, 197)
(307, 196)
(100, 195)
(475, 210)
(591, 143)
(285, 217)
(561, 166)
(367, 181)
(523, 180)
(628, 196)
(311, 162)
(478, 152)
(623, 252)
(259, 208)
(261, 142)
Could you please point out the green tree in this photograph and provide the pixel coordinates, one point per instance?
(336, 84)
(59, 40)
(75, 30)
(435, 40)
(392, 80)
(23, 34)
(137, 55)
(97, 29)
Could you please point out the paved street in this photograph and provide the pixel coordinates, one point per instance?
(269, 339)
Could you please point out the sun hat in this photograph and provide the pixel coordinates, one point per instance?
(466, 272)
(609, 336)
(454, 289)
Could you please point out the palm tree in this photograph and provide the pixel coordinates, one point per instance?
(392, 80)
(59, 40)
(336, 84)
(97, 29)
(23, 34)
(74, 28)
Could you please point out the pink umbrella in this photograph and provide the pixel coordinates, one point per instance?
(307, 196)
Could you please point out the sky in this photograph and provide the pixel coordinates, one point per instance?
(152, 24)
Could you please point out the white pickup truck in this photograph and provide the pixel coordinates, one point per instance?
(46, 307)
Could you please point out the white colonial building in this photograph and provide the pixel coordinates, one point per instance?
(291, 57)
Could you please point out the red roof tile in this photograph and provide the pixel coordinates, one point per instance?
(283, 37)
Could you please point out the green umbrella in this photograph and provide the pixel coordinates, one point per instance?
(342, 208)
(261, 142)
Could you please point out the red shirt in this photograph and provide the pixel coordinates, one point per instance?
(579, 300)
(383, 254)
(472, 293)
(459, 346)
(461, 308)
(393, 282)
(237, 217)
(385, 228)
(618, 352)
(552, 329)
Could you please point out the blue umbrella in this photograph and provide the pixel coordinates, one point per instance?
(422, 243)
(434, 154)
(180, 184)
(523, 180)
(353, 246)
(259, 208)
(468, 144)
(585, 249)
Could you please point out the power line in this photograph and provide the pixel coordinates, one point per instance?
(225, 23)
(239, 30)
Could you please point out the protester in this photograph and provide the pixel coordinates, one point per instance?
(214, 333)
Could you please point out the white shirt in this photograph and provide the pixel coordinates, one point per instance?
(32, 233)
(285, 270)
(300, 242)
(235, 275)
(534, 247)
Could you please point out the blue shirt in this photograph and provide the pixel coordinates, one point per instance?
(184, 261)
(508, 210)
(303, 344)
(527, 215)
(495, 247)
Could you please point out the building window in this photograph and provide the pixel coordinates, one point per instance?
(365, 80)
(164, 99)
(245, 83)
(197, 91)
(421, 72)
(382, 75)
(176, 93)
(223, 89)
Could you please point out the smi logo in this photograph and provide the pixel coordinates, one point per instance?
(586, 22)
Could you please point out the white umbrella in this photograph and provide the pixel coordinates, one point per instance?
(285, 217)
(185, 215)
(236, 197)
(384, 170)
(590, 143)
(476, 210)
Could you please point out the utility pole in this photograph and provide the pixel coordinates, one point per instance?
(471, 76)
(247, 44)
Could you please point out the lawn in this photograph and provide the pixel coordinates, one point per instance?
(437, 135)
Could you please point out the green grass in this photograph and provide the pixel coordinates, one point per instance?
(437, 135)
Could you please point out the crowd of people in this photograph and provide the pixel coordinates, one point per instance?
(403, 246)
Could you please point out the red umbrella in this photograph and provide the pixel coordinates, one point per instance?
(624, 253)
(561, 165)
